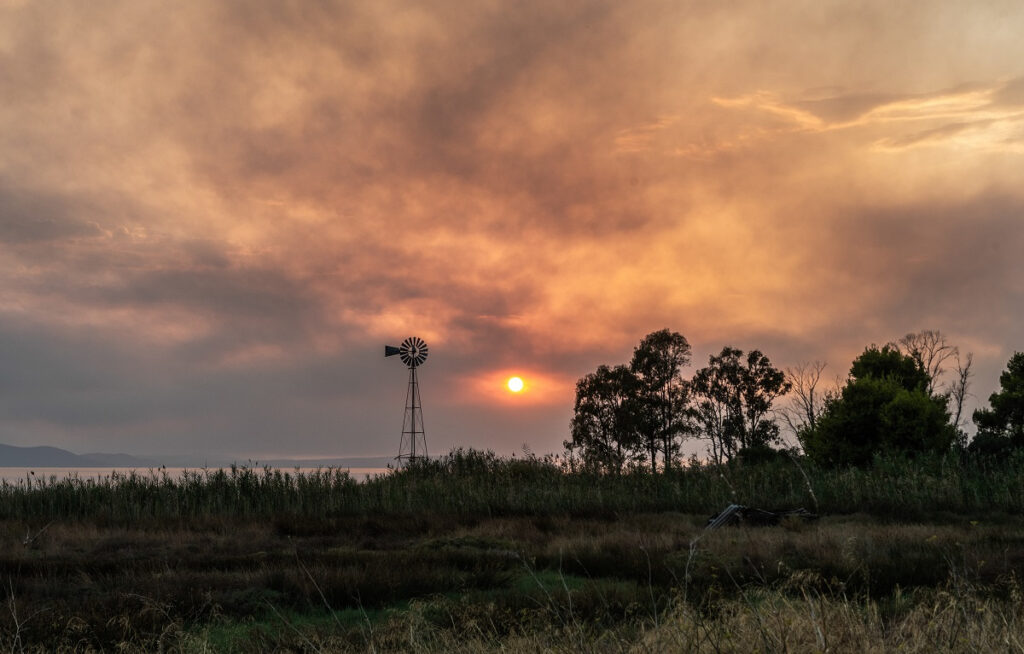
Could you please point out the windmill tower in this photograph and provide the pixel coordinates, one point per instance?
(413, 352)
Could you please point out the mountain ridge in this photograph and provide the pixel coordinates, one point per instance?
(46, 456)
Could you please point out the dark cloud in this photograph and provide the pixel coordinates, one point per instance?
(933, 134)
(243, 294)
(846, 108)
(954, 262)
(28, 217)
(89, 390)
(460, 116)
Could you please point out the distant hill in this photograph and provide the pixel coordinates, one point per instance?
(342, 462)
(54, 457)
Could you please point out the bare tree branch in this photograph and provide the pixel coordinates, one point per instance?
(958, 390)
(930, 349)
(807, 400)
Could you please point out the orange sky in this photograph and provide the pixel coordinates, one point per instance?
(214, 214)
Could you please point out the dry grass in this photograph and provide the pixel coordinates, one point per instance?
(760, 621)
(775, 622)
(513, 584)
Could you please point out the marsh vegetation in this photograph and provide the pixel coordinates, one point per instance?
(471, 552)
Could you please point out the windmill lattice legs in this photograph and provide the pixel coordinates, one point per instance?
(414, 438)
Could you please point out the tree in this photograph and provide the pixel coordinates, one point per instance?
(1001, 427)
(930, 349)
(662, 393)
(885, 406)
(889, 363)
(808, 401)
(958, 392)
(604, 423)
(734, 396)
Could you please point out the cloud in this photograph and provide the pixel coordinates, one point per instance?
(1010, 94)
(935, 134)
(214, 216)
(27, 217)
(954, 263)
(845, 109)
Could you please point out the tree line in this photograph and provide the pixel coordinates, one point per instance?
(904, 397)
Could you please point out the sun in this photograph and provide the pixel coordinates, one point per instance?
(515, 384)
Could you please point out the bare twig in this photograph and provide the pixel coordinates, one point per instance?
(959, 390)
(30, 538)
(930, 349)
(12, 606)
(807, 482)
(17, 645)
(650, 586)
(292, 627)
(320, 592)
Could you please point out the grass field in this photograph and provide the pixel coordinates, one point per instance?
(473, 553)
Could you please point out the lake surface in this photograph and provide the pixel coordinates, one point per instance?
(15, 475)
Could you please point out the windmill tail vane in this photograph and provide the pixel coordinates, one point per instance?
(413, 443)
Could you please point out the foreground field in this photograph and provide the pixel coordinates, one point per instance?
(488, 577)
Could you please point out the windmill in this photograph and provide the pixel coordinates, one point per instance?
(413, 352)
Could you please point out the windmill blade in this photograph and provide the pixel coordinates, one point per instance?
(413, 351)
(391, 350)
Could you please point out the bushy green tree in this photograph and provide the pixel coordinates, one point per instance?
(889, 363)
(884, 407)
(1001, 427)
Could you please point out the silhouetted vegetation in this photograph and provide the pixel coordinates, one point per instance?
(629, 415)
(1001, 427)
(662, 395)
(471, 483)
(638, 414)
(896, 400)
(733, 403)
(885, 406)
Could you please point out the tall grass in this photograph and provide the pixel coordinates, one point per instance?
(472, 483)
(567, 560)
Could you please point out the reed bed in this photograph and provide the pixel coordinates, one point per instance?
(471, 483)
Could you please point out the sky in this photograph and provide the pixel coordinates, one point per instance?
(214, 214)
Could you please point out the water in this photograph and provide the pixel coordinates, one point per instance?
(15, 475)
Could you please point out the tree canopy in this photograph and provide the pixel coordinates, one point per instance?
(885, 406)
(662, 393)
(896, 399)
(1001, 426)
(889, 363)
(734, 396)
(604, 426)
(640, 413)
